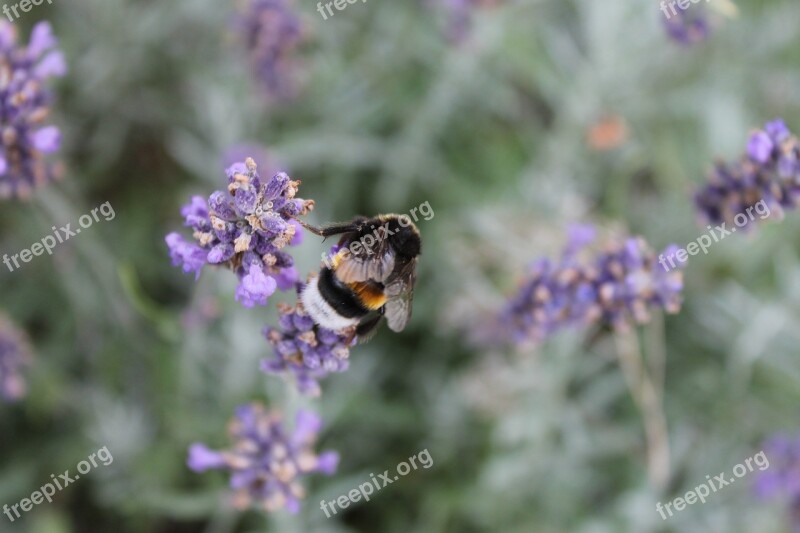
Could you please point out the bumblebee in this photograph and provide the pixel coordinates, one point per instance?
(370, 277)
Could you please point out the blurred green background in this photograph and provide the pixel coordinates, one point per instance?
(492, 132)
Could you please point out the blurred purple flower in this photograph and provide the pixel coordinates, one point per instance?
(305, 350)
(15, 357)
(617, 286)
(265, 460)
(687, 26)
(244, 229)
(459, 15)
(239, 152)
(24, 108)
(271, 32)
(782, 477)
(769, 171)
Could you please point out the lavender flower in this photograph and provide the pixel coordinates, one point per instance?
(271, 32)
(614, 286)
(24, 107)
(244, 229)
(687, 26)
(459, 15)
(265, 460)
(15, 357)
(306, 350)
(769, 171)
(782, 478)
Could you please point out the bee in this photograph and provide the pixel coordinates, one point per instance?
(370, 277)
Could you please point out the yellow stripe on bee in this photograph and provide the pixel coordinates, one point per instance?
(337, 258)
(370, 295)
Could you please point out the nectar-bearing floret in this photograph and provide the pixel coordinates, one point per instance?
(245, 229)
(265, 459)
(25, 136)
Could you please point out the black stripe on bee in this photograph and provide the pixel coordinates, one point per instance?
(339, 296)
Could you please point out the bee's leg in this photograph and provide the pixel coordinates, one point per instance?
(366, 330)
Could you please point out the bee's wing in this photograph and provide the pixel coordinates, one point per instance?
(364, 266)
(400, 292)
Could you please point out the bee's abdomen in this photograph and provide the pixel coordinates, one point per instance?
(339, 296)
(370, 294)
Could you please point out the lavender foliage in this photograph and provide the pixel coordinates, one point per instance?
(617, 286)
(769, 171)
(266, 460)
(244, 229)
(15, 357)
(25, 136)
(271, 32)
(304, 350)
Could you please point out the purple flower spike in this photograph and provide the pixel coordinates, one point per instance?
(265, 460)
(779, 474)
(15, 357)
(618, 285)
(25, 102)
(459, 16)
(244, 229)
(687, 26)
(305, 350)
(271, 32)
(765, 181)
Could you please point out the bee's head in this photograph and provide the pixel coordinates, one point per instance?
(406, 241)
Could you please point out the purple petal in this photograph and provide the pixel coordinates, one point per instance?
(221, 253)
(53, 64)
(188, 254)
(42, 39)
(287, 278)
(47, 139)
(760, 146)
(202, 458)
(328, 462)
(777, 130)
(307, 426)
(255, 287)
